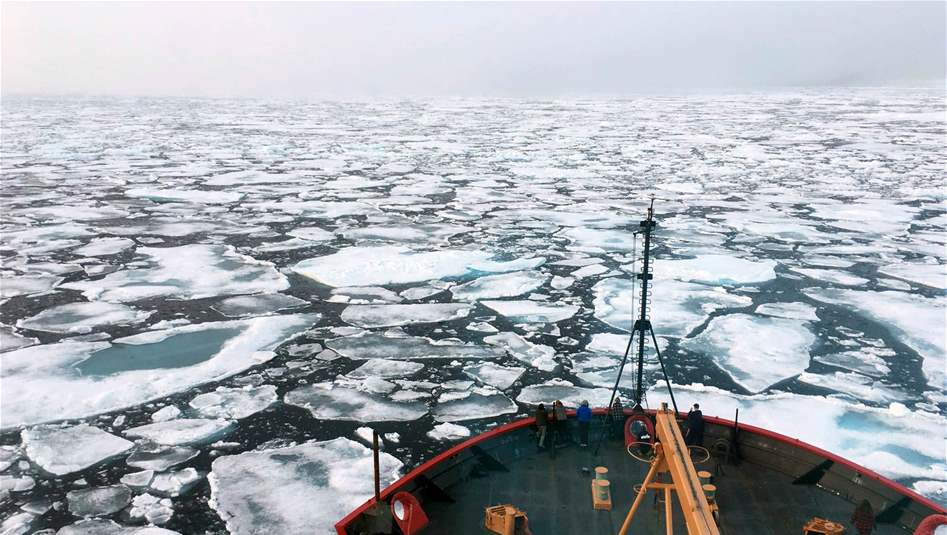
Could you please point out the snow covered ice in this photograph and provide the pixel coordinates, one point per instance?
(298, 489)
(62, 451)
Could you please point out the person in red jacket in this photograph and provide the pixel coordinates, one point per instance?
(864, 518)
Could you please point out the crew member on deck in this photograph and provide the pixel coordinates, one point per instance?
(617, 415)
(560, 420)
(542, 420)
(584, 416)
(864, 518)
(695, 427)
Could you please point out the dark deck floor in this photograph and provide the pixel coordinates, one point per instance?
(554, 490)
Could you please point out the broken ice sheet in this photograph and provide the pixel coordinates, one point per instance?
(61, 451)
(386, 369)
(755, 351)
(378, 346)
(495, 375)
(186, 272)
(502, 285)
(536, 355)
(104, 247)
(257, 305)
(371, 316)
(234, 403)
(531, 311)
(299, 489)
(480, 403)
(98, 501)
(82, 317)
(66, 380)
(328, 401)
(448, 431)
(570, 395)
(183, 432)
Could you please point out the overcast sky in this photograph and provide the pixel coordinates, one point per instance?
(522, 49)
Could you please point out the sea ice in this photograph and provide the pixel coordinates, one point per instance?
(10, 340)
(194, 196)
(932, 275)
(716, 269)
(158, 458)
(29, 284)
(386, 369)
(67, 380)
(917, 320)
(377, 266)
(104, 247)
(61, 451)
(559, 389)
(377, 346)
(502, 285)
(257, 305)
(495, 375)
(98, 501)
(234, 403)
(371, 316)
(792, 311)
(192, 271)
(756, 352)
(152, 509)
(531, 311)
(832, 276)
(863, 361)
(175, 483)
(480, 403)
(82, 317)
(167, 413)
(311, 234)
(327, 401)
(855, 385)
(448, 431)
(185, 431)
(299, 489)
(537, 356)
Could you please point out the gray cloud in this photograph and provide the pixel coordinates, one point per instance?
(532, 49)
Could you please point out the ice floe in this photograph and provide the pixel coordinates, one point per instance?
(448, 431)
(502, 285)
(257, 305)
(183, 432)
(716, 269)
(76, 379)
(756, 352)
(82, 317)
(558, 389)
(378, 346)
(474, 405)
(158, 458)
(386, 369)
(495, 375)
(792, 311)
(327, 401)
(917, 320)
(832, 276)
(104, 247)
(371, 316)
(10, 340)
(98, 501)
(175, 483)
(186, 272)
(536, 355)
(61, 451)
(304, 488)
(193, 196)
(531, 311)
(234, 403)
(932, 275)
(151, 509)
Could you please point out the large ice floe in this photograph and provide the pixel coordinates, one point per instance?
(559, 389)
(186, 272)
(60, 451)
(755, 351)
(502, 285)
(234, 403)
(536, 355)
(916, 320)
(183, 432)
(716, 269)
(481, 402)
(532, 311)
(76, 379)
(370, 316)
(328, 401)
(299, 489)
(378, 266)
(379, 346)
(82, 317)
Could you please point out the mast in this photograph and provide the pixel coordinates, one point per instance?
(643, 323)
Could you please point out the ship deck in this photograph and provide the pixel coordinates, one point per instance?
(776, 487)
(553, 488)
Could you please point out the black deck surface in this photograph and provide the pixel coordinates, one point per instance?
(553, 488)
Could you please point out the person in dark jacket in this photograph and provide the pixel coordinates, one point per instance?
(542, 421)
(695, 427)
(560, 422)
(617, 415)
(864, 518)
(584, 416)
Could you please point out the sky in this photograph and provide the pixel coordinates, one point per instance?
(302, 50)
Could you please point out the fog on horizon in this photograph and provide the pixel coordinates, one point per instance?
(301, 50)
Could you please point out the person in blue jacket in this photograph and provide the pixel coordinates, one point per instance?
(584, 416)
